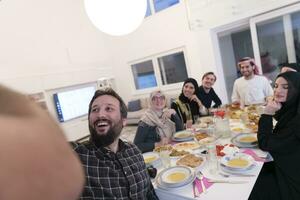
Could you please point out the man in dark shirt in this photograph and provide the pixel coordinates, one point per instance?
(206, 93)
(114, 169)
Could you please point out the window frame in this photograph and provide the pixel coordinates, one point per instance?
(152, 7)
(158, 75)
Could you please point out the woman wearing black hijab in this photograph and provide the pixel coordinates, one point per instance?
(280, 179)
(188, 106)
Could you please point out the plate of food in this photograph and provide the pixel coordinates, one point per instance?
(238, 161)
(206, 120)
(245, 140)
(203, 138)
(163, 148)
(176, 154)
(176, 176)
(186, 146)
(182, 136)
(191, 160)
(151, 158)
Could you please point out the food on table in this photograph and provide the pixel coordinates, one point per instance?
(190, 160)
(183, 134)
(248, 139)
(200, 135)
(202, 125)
(235, 114)
(186, 146)
(252, 108)
(238, 162)
(233, 107)
(206, 120)
(253, 126)
(150, 159)
(163, 148)
(176, 153)
(253, 117)
(176, 177)
(237, 129)
(226, 149)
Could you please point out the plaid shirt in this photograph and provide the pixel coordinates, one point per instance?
(109, 175)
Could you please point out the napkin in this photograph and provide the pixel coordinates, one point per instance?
(205, 182)
(254, 155)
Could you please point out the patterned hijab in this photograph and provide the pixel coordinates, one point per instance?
(164, 126)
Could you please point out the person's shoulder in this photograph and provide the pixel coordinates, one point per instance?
(261, 77)
(80, 147)
(132, 147)
(143, 124)
(238, 80)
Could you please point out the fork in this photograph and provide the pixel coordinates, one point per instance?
(200, 176)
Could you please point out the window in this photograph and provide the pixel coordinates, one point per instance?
(296, 33)
(272, 46)
(160, 71)
(163, 4)
(272, 39)
(171, 68)
(234, 45)
(143, 74)
(148, 11)
(154, 6)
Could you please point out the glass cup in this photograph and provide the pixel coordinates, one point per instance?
(222, 127)
(212, 159)
(165, 158)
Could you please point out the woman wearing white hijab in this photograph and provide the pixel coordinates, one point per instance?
(157, 125)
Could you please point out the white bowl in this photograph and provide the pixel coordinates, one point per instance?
(176, 176)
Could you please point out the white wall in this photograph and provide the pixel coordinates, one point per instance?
(169, 29)
(51, 44)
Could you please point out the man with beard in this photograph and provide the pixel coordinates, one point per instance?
(250, 88)
(114, 169)
(206, 93)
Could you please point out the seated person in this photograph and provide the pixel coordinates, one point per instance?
(36, 160)
(157, 125)
(206, 92)
(286, 67)
(114, 169)
(188, 106)
(250, 88)
(280, 178)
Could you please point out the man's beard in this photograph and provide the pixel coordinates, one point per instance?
(107, 138)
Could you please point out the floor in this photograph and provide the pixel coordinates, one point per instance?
(128, 133)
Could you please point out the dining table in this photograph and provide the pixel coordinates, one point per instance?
(228, 186)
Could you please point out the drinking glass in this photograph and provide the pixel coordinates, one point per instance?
(165, 158)
(222, 127)
(212, 159)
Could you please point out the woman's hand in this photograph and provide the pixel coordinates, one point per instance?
(168, 113)
(271, 107)
(197, 100)
(163, 141)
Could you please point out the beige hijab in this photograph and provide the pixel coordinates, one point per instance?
(165, 127)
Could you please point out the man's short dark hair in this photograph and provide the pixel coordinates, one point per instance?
(209, 73)
(110, 92)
